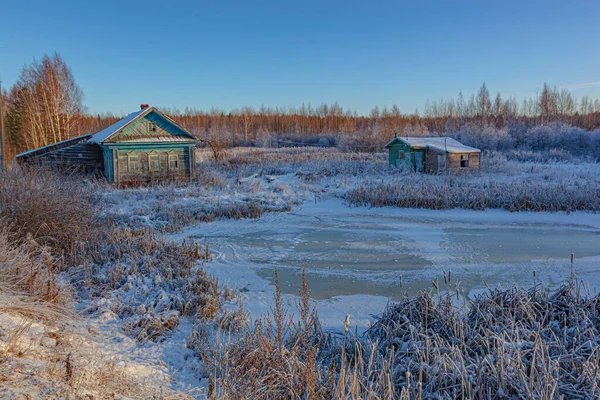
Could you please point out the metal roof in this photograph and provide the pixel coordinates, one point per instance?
(105, 134)
(442, 143)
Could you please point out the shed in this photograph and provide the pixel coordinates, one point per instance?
(144, 146)
(431, 154)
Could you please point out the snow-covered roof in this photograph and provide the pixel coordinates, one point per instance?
(442, 143)
(53, 145)
(104, 134)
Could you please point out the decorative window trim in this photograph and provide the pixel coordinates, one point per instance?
(153, 162)
(173, 161)
(134, 162)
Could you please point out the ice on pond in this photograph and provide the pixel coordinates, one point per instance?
(348, 251)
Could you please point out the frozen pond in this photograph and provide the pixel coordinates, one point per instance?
(348, 251)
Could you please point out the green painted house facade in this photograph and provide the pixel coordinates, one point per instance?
(402, 155)
(145, 146)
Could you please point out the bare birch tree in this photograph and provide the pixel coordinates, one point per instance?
(49, 103)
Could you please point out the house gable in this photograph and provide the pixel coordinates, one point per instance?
(151, 127)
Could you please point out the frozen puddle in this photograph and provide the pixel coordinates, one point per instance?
(362, 251)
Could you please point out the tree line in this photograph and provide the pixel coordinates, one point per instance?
(45, 106)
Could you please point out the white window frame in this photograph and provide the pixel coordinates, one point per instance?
(464, 158)
(173, 157)
(151, 127)
(134, 165)
(150, 157)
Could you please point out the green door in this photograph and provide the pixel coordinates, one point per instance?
(418, 161)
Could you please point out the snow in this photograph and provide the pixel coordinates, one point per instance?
(104, 134)
(446, 144)
(75, 139)
(247, 251)
(354, 256)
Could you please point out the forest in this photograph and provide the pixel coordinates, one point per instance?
(45, 106)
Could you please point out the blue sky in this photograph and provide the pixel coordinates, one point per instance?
(229, 54)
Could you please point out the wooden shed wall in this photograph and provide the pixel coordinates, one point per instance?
(410, 156)
(450, 160)
(454, 160)
(394, 151)
(432, 162)
(82, 155)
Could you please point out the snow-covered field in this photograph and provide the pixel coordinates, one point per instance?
(357, 259)
(287, 209)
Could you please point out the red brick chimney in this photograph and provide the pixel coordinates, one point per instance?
(144, 106)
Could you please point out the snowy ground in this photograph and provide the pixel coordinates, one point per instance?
(355, 257)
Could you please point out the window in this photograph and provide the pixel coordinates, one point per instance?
(464, 161)
(173, 161)
(151, 127)
(441, 161)
(401, 155)
(154, 162)
(133, 163)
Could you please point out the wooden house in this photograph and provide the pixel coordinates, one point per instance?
(144, 146)
(431, 154)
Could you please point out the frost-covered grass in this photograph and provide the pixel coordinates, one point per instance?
(211, 196)
(45, 350)
(148, 282)
(515, 343)
(54, 210)
(501, 183)
(50, 224)
(118, 265)
(503, 344)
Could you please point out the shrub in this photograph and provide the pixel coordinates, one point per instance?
(56, 210)
(162, 275)
(455, 191)
(515, 343)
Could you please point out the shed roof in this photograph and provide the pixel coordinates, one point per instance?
(53, 146)
(442, 143)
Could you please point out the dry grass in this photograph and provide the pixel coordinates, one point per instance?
(455, 191)
(45, 352)
(52, 208)
(504, 344)
(28, 282)
(162, 273)
(278, 358)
